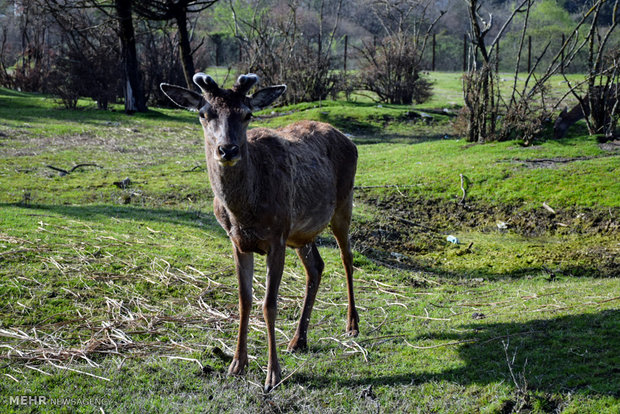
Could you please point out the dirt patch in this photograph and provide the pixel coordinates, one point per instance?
(406, 227)
(441, 216)
(550, 162)
(610, 146)
(112, 139)
(554, 162)
(32, 145)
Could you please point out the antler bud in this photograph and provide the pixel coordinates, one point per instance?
(245, 82)
(206, 83)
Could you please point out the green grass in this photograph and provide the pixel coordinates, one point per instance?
(115, 298)
(496, 172)
(447, 86)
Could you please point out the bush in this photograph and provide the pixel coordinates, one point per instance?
(392, 70)
(83, 70)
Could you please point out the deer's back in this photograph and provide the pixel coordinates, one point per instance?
(307, 166)
(306, 149)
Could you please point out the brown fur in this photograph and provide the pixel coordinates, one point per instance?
(288, 183)
(287, 187)
(566, 119)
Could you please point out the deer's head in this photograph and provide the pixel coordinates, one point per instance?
(224, 113)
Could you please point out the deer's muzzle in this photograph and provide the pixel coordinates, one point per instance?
(228, 154)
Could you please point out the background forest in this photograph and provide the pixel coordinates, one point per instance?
(107, 49)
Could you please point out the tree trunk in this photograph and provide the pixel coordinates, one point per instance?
(185, 49)
(132, 88)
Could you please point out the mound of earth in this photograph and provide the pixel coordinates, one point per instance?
(407, 227)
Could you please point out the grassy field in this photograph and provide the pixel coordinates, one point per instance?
(117, 290)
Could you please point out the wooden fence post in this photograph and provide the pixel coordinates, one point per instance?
(562, 56)
(433, 61)
(464, 52)
(529, 53)
(497, 57)
(346, 47)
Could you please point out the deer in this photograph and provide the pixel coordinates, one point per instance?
(566, 119)
(273, 189)
(600, 95)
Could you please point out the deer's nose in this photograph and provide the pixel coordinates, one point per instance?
(228, 152)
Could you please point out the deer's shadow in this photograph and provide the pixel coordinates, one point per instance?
(577, 353)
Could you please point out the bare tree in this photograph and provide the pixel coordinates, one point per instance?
(33, 55)
(481, 84)
(161, 58)
(176, 10)
(6, 79)
(121, 11)
(132, 87)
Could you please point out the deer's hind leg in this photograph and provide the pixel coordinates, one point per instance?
(340, 223)
(314, 265)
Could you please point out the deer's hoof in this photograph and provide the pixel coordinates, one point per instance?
(273, 379)
(352, 332)
(237, 366)
(297, 344)
(352, 328)
(352, 324)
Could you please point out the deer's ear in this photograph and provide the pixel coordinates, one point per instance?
(564, 111)
(183, 97)
(265, 97)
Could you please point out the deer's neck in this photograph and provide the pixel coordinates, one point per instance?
(234, 185)
(575, 114)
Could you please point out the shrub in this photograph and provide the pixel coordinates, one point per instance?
(392, 70)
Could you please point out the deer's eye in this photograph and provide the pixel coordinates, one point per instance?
(208, 114)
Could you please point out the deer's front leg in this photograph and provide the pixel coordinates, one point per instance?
(244, 263)
(275, 266)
